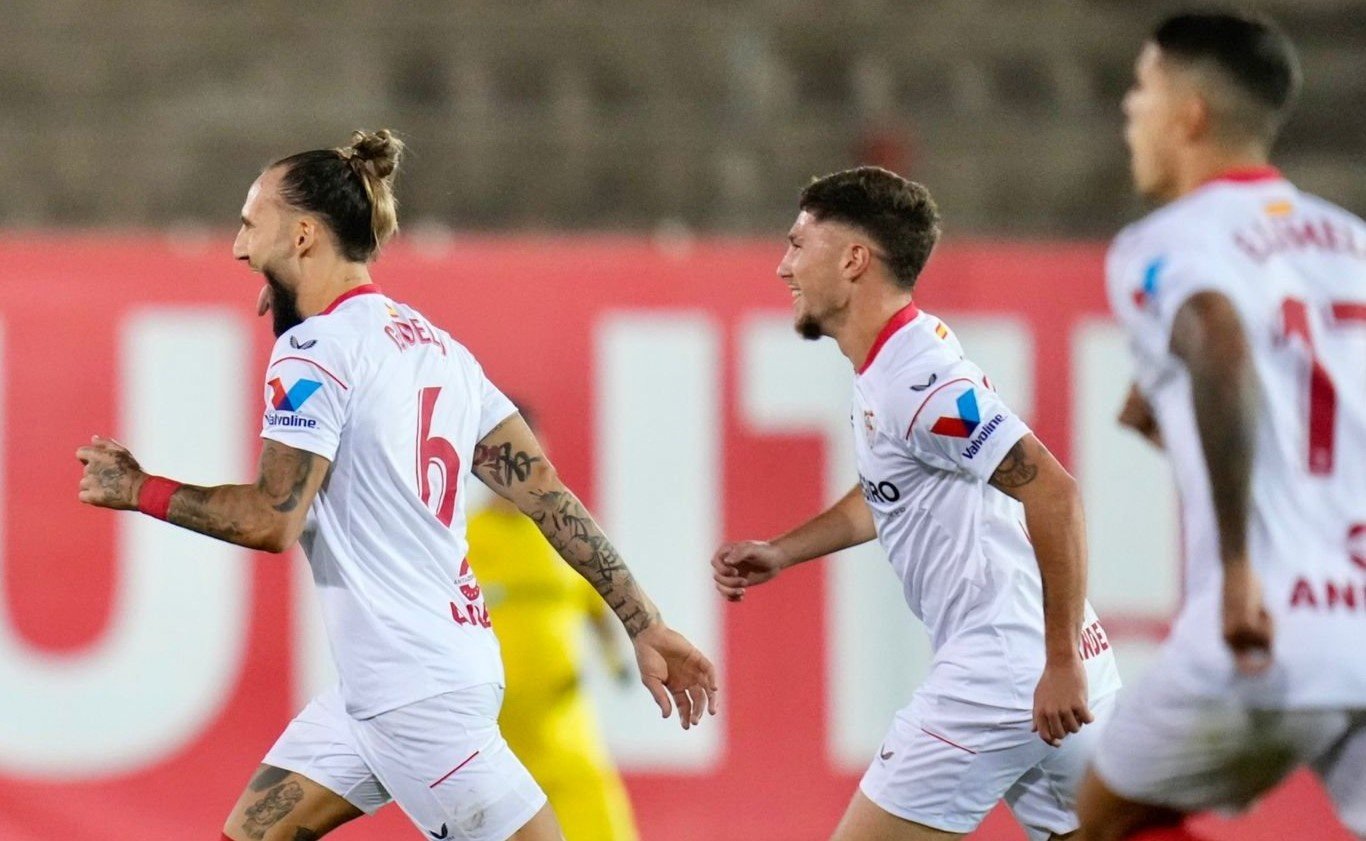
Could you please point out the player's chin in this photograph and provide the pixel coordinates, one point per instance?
(807, 326)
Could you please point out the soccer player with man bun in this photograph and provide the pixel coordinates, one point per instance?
(1245, 303)
(981, 524)
(374, 420)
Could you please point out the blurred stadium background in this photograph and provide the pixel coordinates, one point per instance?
(594, 203)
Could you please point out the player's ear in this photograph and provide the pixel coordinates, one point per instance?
(1195, 116)
(857, 258)
(305, 233)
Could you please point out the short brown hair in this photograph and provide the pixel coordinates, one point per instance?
(899, 215)
(351, 188)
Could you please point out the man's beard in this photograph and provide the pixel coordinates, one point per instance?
(284, 305)
(808, 328)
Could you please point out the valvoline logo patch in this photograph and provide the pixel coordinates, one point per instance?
(969, 416)
(293, 399)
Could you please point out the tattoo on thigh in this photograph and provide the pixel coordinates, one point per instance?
(271, 809)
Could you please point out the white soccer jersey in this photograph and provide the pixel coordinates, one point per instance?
(929, 432)
(1294, 267)
(397, 405)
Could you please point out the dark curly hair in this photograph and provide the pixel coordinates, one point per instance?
(899, 215)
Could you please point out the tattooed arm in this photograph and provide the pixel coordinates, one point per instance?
(510, 461)
(1054, 520)
(1207, 335)
(268, 514)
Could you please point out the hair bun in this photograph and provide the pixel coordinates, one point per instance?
(379, 150)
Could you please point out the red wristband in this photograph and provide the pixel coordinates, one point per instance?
(154, 497)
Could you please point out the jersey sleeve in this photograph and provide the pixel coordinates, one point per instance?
(964, 427)
(1162, 279)
(307, 397)
(494, 406)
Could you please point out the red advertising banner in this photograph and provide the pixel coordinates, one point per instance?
(143, 673)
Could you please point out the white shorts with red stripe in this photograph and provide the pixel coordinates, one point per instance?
(442, 759)
(947, 763)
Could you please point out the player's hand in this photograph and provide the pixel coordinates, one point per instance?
(676, 673)
(736, 566)
(1247, 624)
(112, 477)
(1060, 705)
(1138, 415)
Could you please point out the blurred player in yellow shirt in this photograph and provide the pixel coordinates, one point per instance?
(539, 607)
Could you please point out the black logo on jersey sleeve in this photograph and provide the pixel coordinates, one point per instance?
(926, 384)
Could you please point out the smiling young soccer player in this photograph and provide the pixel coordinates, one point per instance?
(980, 522)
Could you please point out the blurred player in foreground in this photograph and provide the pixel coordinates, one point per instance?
(1245, 303)
(540, 608)
(980, 522)
(374, 420)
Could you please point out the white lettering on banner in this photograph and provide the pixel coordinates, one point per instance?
(657, 442)
(1134, 545)
(173, 650)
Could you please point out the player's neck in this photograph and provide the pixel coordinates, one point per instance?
(1206, 163)
(865, 324)
(331, 283)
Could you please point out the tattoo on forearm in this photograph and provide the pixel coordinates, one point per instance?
(571, 530)
(235, 513)
(196, 509)
(1015, 470)
(271, 809)
(499, 465)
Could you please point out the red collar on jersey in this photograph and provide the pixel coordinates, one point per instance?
(1247, 174)
(903, 316)
(367, 289)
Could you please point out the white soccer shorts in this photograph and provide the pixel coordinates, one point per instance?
(947, 763)
(443, 760)
(1168, 747)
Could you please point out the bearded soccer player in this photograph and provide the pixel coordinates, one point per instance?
(1245, 303)
(374, 420)
(980, 522)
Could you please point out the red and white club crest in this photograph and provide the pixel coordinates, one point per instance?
(469, 588)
